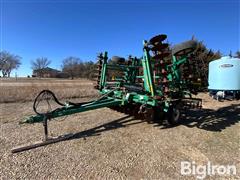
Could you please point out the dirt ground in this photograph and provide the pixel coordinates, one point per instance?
(111, 145)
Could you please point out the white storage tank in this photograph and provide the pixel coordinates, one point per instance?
(224, 74)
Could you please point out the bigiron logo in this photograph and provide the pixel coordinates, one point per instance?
(202, 171)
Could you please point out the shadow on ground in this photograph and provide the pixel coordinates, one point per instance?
(96, 131)
(206, 119)
(212, 120)
(118, 123)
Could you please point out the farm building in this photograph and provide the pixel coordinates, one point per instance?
(49, 73)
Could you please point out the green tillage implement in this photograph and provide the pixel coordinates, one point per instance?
(72, 109)
(158, 83)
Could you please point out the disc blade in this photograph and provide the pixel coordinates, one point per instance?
(161, 56)
(159, 47)
(157, 39)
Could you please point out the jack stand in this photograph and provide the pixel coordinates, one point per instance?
(46, 140)
(45, 126)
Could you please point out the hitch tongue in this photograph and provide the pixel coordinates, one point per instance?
(46, 140)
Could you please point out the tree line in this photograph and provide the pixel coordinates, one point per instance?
(75, 67)
(72, 66)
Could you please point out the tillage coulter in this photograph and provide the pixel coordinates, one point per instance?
(158, 85)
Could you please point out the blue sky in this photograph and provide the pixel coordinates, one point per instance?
(61, 28)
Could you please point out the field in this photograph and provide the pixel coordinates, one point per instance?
(112, 145)
(22, 89)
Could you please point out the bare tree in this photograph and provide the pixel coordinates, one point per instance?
(8, 62)
(71, 66)
(40, 64)
(202, 56)
(89, 70)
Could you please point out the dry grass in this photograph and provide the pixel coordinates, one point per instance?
(22, 90)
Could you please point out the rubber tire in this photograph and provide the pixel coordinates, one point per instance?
(172, 118)
(187, 46)
(150, 115)
(118, 60)
(238, 96)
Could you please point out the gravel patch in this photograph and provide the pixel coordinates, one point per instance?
(112, 145)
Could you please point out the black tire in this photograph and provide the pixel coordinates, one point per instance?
(184, 48)
(173, 116)
(153, 115)
(238, 96)
(118, 60)
(150, 115)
